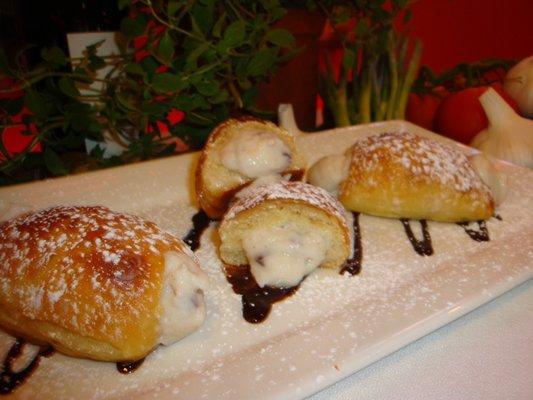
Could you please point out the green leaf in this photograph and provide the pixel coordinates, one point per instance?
(134, 69)
(36, 104)
(348, 59)
(244, 83)
(53, 163)
(220, 97)
(165, 83)
(132, 27)
(280, 37)
(262, 62)
(197, 52)
(67, 86)
(54, 55)
(217, 29)
(173, 7)
(126, 102)
(80, 75)
(165, 49)
(122, 4)
(207, 87)
(233, 35)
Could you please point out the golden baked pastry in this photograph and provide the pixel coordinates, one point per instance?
(237, 152)
(97, 284)
(284, 230)
(402, 175)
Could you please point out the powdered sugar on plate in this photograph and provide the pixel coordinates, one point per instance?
(332, 326)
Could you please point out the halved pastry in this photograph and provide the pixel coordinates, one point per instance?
(283, 231)
(237, 152)
(401, 175)
(97, 284)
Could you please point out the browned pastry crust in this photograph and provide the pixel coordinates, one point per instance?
(408, 176)
(215, 184)
(85, 280)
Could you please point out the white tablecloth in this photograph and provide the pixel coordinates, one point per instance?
(487, 354)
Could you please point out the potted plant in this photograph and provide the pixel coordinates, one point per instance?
(183, 67)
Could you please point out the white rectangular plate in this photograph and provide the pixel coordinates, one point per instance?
(333, 326)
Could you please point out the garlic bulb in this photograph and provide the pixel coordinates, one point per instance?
(509, 136)
(493, 177)
(519, 84)
(286, 119)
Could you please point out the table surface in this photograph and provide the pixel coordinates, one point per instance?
(486, 354)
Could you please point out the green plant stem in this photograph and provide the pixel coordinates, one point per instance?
(365, 97)
(408, 80)
(340, 110)
(393, 69)
(235, 94)
(172, 26)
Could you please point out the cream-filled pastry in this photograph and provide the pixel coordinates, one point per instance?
(284, 230)
(237, 152)
(401, 175)
(97, 284)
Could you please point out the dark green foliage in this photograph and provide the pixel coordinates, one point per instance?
(202, 57)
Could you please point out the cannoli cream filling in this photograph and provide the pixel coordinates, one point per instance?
(255, 154)
(329, 172)
(182, 298)
(281, 256)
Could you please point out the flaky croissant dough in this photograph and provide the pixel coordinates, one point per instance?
(215, 184)
(86, 280)
(402, 175)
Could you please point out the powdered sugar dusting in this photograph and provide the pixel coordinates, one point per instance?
(331, 327)
(422, 157)
(90, 261)
(285, 190)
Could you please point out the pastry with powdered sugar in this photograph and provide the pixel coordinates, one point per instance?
(284, 230)
(402, 175)
(237, 152)
(97, 284)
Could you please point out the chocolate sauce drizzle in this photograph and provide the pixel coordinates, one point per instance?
(200, 221)
(353, 265)
(481, 234)
(296, 175)
(10, 379)
(127, 367)
(424, 246)
(256, 301)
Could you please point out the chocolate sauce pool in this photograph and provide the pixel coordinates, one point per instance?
(256, 301)
(127, 367)
(353, 265)
(200, 221)
(11, 379)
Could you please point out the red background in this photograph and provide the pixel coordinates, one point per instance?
(454, 31)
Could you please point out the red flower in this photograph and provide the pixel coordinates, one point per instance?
(162, 68)
(163, 129)
(141, 55)
(140, 42)
(175, 116)
(15, 138)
